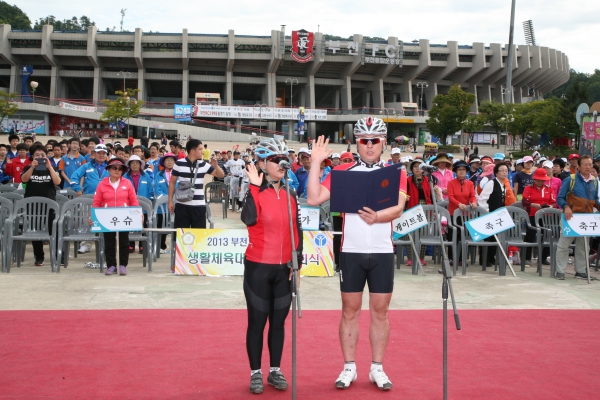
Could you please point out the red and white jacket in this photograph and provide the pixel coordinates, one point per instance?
(107, 196)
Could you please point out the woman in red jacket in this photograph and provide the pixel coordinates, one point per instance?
(536, 196)
(115, 191)
(419, 192)
(461, 194)
(266, 272)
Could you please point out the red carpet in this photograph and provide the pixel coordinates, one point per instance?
(200, 354)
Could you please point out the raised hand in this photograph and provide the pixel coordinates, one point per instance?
(319, 151)
(253, 175)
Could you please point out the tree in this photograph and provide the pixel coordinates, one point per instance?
(524, 118)
(123, 108)
(555, 119)
(14, 16)
(590, 84)
(8, 106)
(473, 123)
(73, 24)
(449, 111)
(492, 112)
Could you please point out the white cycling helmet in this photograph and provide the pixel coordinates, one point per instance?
(270, 147)
(370, 126)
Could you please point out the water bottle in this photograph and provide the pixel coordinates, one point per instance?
(510, 257)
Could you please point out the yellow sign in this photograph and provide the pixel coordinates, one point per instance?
(399, 120)
(220, 252)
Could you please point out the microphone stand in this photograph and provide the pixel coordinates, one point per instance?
(295, 290)
(446, 284)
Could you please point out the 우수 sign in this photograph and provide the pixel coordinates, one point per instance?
(581, 225)
(410, 220)
(490, 224)
(117, 219)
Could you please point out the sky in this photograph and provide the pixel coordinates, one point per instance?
(568, 26)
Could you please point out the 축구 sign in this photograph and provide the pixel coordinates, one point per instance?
(581, 225)
(490, 224)
(117, 219)
(410, 220)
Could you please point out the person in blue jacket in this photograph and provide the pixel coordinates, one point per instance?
(143, 185)
(162, 176)
(92, 172)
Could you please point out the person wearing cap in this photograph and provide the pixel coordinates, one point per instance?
(115, 191)
(573, 162)
(554, 182)
(235, 168)
(524, 177)
(335, 160)
(536, 196)
(302, 172)
(443, 174)
(324, 170)
(518, 165)
(493, 197)
(86, 178)
(581, 196)
(395, 157)
(474, 170)
(367, 253)
(143, 184)
(461, 194)
(499, 158)
(291, 156)
(298, 164)
(419, 192)
(161, 188)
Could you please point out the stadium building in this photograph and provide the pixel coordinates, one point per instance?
(336, 81)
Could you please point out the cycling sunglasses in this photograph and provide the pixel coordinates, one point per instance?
(366, 141)
(277, 160)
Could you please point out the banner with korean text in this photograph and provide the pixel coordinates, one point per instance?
(220, 252)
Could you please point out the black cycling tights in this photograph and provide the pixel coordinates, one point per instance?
(268, 295)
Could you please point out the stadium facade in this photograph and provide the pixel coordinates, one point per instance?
(346, 77)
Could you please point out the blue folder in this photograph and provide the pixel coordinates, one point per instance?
(353, 190)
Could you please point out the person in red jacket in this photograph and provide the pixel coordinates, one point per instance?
(115, 191)
(461, 194)
(14, 167)
(536, 196)
(266, 271)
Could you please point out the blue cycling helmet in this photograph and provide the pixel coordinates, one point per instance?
(270, 147)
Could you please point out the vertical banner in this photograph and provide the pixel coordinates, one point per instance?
(220, 252)
(301, 124)
(302, 45)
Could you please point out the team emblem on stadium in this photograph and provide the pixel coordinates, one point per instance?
(302, 45)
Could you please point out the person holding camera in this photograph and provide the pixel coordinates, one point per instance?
(188, 176)
(40, 180)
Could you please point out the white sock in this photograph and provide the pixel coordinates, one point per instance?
(350, 365)
(274, 369)
(374, 365)
(254, 371)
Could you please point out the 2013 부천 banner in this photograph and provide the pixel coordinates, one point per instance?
(303, 45)
(220, 252)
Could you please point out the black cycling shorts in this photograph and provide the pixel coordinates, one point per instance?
(358, 268)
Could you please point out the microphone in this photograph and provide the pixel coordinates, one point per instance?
(428, 168)
(284, 164)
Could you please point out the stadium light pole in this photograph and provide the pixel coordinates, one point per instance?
(422, 86)
(34, 86)
(124, 75)
(260, 118)
(508, 118)
(291, 82)
(508, 94)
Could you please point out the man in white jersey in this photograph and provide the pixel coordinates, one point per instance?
(235, 167)
(367, 253)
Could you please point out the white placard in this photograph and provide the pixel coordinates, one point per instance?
(117, 219)
(581, 225)
(309, 216)
(410, 220)
(209, 111)
(76, 107)
(490, 224)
